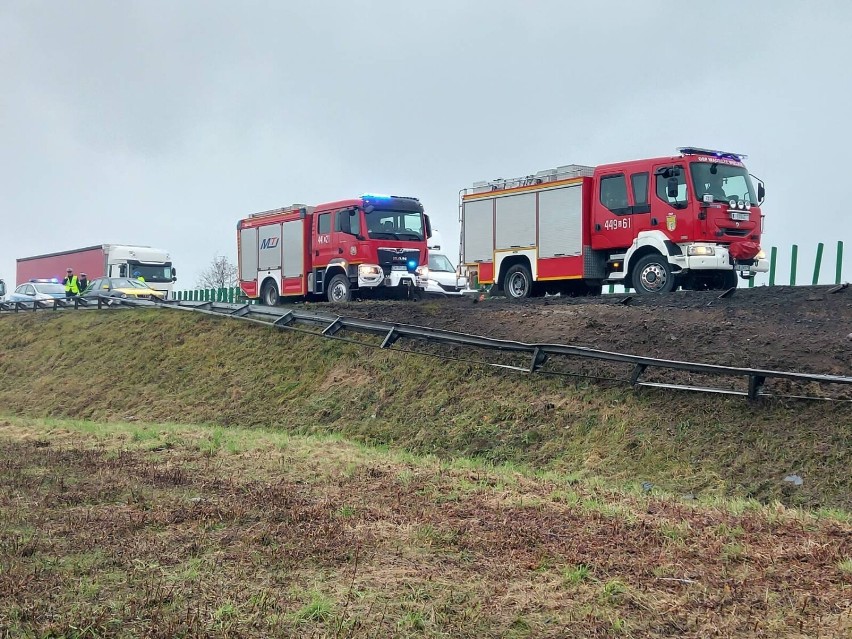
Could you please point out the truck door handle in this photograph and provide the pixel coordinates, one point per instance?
(316, 253)
(340, 251)
(654, 221)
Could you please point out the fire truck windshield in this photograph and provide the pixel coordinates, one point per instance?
(724, 182)
(384, 224)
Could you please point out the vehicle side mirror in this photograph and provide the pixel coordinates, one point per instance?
(428, 226)
(672, 187)
(761, 192)
(345, 222)
(174, 278)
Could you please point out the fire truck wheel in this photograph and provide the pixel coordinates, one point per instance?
(338, 289)
(269, 295)
(728, 279)
(518, 282)
(653, 274)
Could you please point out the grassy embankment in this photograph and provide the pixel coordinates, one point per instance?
(174, 367)
(128, 530)
(245, 513)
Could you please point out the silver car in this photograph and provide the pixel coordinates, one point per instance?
(32, 291)
(443, 278)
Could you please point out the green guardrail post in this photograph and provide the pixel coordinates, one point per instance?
(195, 295)
(230, 296)
(773, 259)
(837, 273)
(817, 263)
(794, 258)
(612, 288)
(751, 281)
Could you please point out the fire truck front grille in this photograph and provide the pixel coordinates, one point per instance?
(736, 232)
(389, 257)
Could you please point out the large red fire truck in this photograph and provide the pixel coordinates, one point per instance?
(372, 243)
(692, 220)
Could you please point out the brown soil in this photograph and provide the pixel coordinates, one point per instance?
(802, 329)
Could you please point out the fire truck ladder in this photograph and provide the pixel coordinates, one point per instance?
(536, 358)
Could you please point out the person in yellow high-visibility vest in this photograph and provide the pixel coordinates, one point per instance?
(138, 276)
(72, 286)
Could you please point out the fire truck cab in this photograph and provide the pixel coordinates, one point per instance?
(374, 243)
(691, 221)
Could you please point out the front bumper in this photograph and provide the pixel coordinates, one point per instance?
(431, 286)
(719, 261)
(370, 276)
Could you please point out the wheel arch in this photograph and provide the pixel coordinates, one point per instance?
(641, 252)
(268, 280)
(336, 268)
(508, 262)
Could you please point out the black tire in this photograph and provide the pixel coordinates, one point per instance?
(711, 281)
(518, 283)
(269, 294)
(653, 274)
(338, 289)
(728, 279)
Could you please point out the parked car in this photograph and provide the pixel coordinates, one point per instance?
(123, 287)
(33, 291)
(443, 278)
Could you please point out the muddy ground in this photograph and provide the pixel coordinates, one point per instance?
(804, 329)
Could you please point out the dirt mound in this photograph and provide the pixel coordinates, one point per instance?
(804, 329)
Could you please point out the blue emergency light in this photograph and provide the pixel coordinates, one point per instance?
(377, 196)
(728, 155)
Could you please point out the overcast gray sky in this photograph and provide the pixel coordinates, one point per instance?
(164, 122)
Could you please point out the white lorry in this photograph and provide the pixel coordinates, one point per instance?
(152, 265)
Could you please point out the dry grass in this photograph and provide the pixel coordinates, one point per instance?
(113, 530)
(129, 365)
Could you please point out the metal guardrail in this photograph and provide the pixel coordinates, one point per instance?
(538, 355)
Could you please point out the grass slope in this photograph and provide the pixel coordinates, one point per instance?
(167, 366)
(164, 530)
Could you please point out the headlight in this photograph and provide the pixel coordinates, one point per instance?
(701, 250)
(369, 270)
(732, 204)
(748, 206)
(422, 271)
(741, 204)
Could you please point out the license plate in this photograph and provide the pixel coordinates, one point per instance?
(742, 217)
(398, 268)
(742, 267)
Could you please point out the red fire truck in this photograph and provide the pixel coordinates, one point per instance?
(692, 220)
(374, 243)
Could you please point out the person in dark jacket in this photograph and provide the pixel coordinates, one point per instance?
(83, 283)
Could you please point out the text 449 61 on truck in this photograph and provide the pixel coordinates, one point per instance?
(691, 221)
